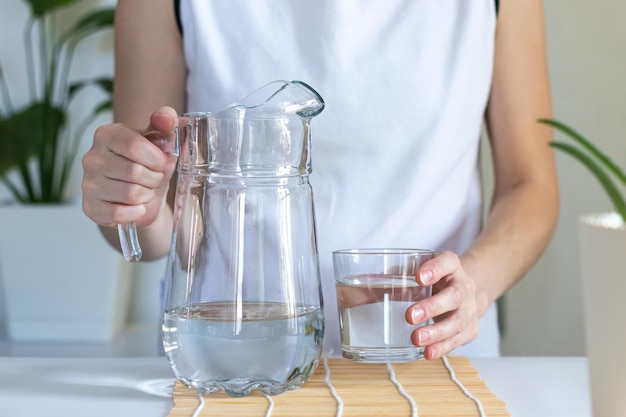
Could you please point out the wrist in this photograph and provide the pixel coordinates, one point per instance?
(472, 266)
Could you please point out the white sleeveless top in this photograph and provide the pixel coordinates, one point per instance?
(395, 152)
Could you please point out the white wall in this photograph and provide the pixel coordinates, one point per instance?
(93, 58)
(587, 47)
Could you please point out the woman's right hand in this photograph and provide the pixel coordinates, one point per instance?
(126, 175)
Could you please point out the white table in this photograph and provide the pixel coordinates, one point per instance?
(120, 387)
(539, 387)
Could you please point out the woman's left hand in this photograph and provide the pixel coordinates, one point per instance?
(452, 306)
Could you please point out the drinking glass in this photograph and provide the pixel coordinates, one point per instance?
(374, 289)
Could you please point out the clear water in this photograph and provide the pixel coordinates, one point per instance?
(216, 346)
(372, 317)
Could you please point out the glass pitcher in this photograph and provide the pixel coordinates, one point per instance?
(243, 304)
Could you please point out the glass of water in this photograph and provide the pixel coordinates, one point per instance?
(374, 289)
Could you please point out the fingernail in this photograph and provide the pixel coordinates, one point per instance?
(417, 315)
(426, 276)
(423, 336)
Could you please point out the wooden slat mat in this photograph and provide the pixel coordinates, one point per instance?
(366, 390)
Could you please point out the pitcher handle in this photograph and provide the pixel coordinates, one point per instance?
(129, 241)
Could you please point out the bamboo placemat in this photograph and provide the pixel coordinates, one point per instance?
(365, 389)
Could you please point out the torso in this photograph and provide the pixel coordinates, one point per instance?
(395, 152)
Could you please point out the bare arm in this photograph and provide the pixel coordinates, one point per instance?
(525, 204)
(524, 209)
(149, 61)
(125, 178)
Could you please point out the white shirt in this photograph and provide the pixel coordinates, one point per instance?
(395, 152)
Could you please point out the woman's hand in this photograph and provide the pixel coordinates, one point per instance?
(452, 306)
(126, 175)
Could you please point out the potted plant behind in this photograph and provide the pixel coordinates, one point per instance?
(61, 280)
(602, 243)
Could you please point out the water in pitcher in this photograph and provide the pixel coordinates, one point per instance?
(221, 346)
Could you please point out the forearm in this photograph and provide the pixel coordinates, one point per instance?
(524, 209)
(149, 73)
(518, 228)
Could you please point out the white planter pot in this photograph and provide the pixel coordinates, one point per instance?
(603, 268)
(62, 281)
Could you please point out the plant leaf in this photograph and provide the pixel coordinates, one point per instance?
(97, 19)
(13, 148)
(603, 158)
(41, 7)
(106, 84)
(598, 172)
(32, 132)
(104, 106)
(5, 95)
(14, 190)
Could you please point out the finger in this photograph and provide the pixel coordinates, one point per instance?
(122, 192)
(448, 299)
(161, 130)
(437, 349)
(164, 119)
(116, 158)
(122, 169)
(137, 149)
(444, 264)
(111, 214)
(450, 326)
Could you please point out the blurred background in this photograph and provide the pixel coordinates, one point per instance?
(541, 316)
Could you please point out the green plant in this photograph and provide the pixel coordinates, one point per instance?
(36, 140)
(601, 166)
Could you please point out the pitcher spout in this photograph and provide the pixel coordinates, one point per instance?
(282, 98)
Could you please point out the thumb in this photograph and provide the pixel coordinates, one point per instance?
(163, 120)
(160, 131)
